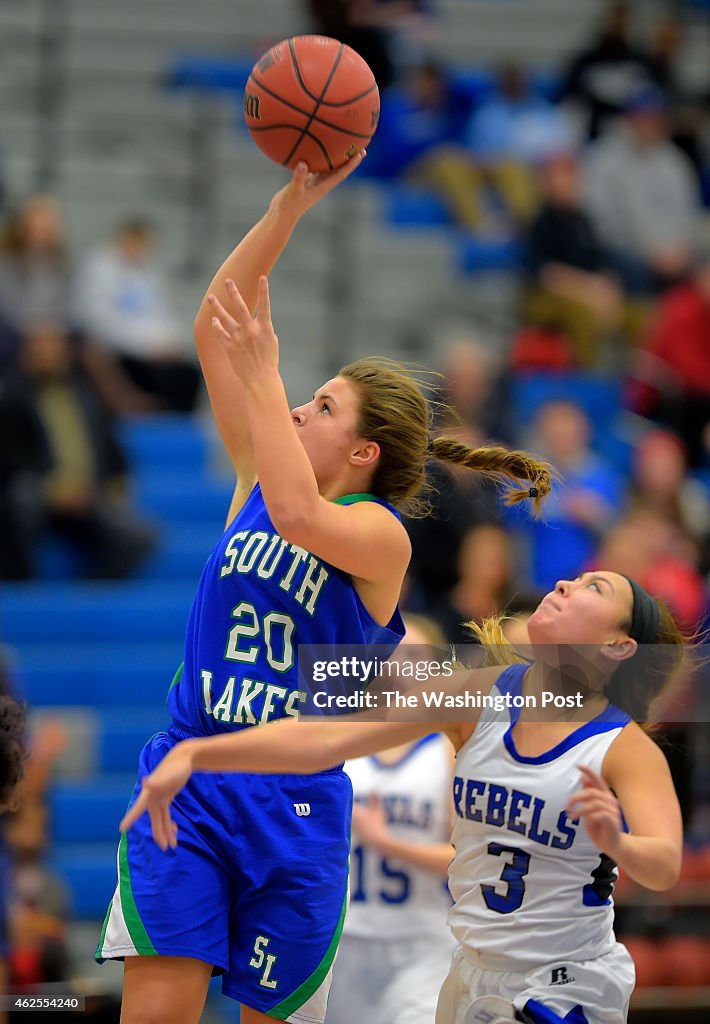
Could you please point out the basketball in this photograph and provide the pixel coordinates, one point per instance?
(311, 98)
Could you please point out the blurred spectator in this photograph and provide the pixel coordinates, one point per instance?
(484, 568)
(648, 546)
(470, 391)
(578, 510)
(687, 117)
(470, 410)
(603, 75)
(569, 283)
(371, 28)
(12, 758)
(419, 137)
(35, 275)
(660, 484)
(39, 910)
(643, 198)
(71, 480)
(122, 307)
(670, 375)
(664, 52)
(510, 132)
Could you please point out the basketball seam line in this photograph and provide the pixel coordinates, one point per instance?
(294, 58)
(326, 103)
(295, 127)
(299, 110)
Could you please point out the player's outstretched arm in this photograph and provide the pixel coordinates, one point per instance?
(255, 255)
(636, 780)
(294, 747)
(284, 747)
(364, 540)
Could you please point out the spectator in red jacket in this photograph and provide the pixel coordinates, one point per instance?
(671, 375)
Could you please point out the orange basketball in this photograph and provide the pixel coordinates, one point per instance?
(311, 98)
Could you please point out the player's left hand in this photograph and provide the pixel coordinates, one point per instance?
(249, 341)
(158, 790)
(599, 809)
(369, 822)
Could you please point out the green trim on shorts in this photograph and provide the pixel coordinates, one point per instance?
(136, 929)
(303, 993)
(104, 926)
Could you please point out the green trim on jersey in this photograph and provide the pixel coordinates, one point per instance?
(284, 1009)
(353, 499)
(136, 928)
(176, 679)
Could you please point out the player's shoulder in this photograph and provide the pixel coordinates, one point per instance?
(632, 749)
(384, 518)
(481, 682)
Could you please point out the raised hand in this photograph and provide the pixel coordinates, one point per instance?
(599, 809)
(249, 341)
(305, 189)
(369, 822)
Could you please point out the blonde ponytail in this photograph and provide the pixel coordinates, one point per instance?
(498, 649)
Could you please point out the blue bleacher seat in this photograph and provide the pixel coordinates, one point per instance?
(90, 873)
(407, 206)
(97, 675)
(474, 255)
(182, 552)
(600, 397)
(87, 812)
(209, 72)
(123, 735)
(165, 441)
(55, 613)
(186, 497)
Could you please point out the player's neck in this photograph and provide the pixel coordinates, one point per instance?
(576, 696)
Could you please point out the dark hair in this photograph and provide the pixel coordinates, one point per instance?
(13, 752)
(640, 681)
(396, 412)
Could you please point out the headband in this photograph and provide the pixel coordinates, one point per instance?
(645, 616)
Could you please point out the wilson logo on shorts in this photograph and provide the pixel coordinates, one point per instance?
(560, 976)
(302, 810)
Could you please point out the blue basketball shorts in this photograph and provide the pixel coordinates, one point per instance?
(257, 885)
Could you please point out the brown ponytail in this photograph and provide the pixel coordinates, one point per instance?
(502, 466)
(396, 412)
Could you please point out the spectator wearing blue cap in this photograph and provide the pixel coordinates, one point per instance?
(642, 196)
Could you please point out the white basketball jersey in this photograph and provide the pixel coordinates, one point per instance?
(389, 898)
(529, 886)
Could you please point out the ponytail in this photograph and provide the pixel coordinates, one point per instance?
(502, 466)
(396, 412)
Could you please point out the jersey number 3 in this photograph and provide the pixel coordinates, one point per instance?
(513, 873)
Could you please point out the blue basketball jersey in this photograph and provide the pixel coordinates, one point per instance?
(259, 597)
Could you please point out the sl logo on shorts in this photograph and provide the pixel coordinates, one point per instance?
(302, 810)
